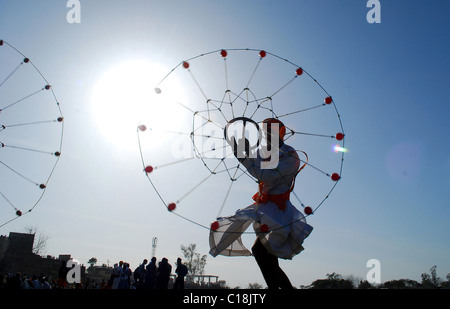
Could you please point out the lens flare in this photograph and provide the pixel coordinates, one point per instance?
(338, 148)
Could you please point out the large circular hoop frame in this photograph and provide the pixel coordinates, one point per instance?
(31, 134)
(258, 95)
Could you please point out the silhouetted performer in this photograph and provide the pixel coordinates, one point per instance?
(280, 227)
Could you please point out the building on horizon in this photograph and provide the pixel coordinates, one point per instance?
(17, 256)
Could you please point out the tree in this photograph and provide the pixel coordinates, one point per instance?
(333, 281)
(401, 284)
(194, 261)
(364, 285)
(92, 261)
(40, 239)
(446, 284)
(431, 281)
(255, 286)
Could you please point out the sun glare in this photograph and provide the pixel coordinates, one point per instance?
(123, 96)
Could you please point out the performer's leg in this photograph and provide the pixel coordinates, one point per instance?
(283, 279)
(267, 263)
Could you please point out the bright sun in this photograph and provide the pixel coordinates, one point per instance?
(121, 98)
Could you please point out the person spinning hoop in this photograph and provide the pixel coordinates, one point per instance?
(280, 227)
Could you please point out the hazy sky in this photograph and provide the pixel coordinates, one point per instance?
(388, 80)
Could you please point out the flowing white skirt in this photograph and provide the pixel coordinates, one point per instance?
(286, 231)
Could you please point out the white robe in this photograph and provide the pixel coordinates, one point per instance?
(287, 228)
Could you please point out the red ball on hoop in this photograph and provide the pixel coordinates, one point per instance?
(339, 136)
(224, 53)
(264, 228)
(262, 53)
(328, 100)
(299, 71)
(149, 169)
(171, 206)
(18, 213)
(186, 65)
(335, 176)
(215, 226)
(308, 210)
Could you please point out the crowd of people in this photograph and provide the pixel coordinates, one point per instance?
(27, 282)
(145, 276)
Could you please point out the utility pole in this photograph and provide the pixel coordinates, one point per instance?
(154, 244)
